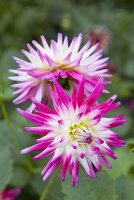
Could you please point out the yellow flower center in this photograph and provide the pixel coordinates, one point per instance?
(81, 132)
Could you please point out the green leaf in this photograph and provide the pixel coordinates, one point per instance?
(125, 160)
(37, 180)
(80, 191)
(21, 177)
(103, 187)
(6, 165)
(23, 139)
(90, 189)
(132, 150)
(57, 190)
(124, 188)
(39, 186)
(131, 147)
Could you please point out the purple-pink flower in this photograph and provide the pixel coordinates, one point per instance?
(99, 35)
(49, 63)
(9, 194)
(75, 131)
(112, 67)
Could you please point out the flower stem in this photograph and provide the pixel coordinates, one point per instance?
(8, 124)
(27, 162)
(47, 188)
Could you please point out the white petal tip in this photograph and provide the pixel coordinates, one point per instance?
(24, 151)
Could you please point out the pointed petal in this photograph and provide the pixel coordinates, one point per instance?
(80, 93)
(91, 100)
(62, 95)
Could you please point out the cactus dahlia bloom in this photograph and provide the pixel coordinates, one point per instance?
(76, 131)
(9, 195)
(59, 60)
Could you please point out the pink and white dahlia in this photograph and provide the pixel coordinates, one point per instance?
(75, 132)
(9, 194)
(46, 64)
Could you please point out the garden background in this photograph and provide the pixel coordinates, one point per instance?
(25, 20)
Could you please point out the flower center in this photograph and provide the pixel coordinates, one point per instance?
(81, 132)
(60, 66)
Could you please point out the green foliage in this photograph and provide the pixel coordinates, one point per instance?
(131, 147)
(21, 176)
(20, 171)
(57, 190)
(91, 189)
(125, 160)
(37, 184)
(103, 187)
(80, 191)
(124, 188)
(6, 164)
(22, 137)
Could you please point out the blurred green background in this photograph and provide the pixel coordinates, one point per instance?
(25, 20)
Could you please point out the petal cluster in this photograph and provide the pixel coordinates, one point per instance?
(75, 131)
(48, 63)
(9, 194)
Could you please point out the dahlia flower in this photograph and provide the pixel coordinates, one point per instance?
(99, 35)
(9, 195)
(75, 131)
(60, 60)
(111, 67)
(130, 103)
